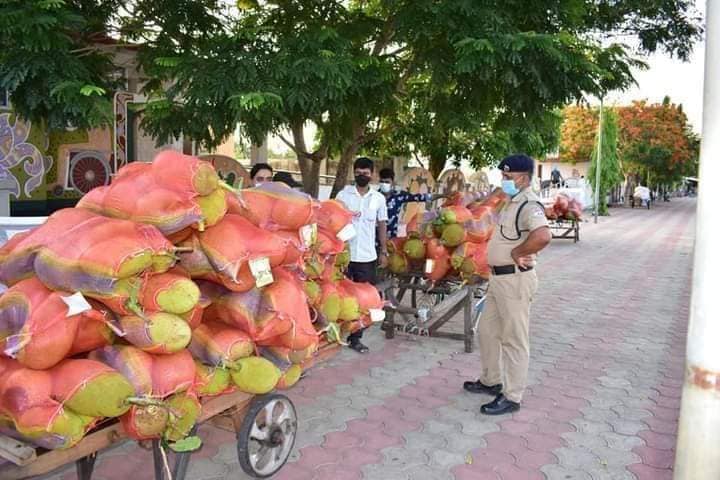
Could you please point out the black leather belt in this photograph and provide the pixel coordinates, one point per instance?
(508, 269)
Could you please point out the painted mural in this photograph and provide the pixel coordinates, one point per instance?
(16, 149)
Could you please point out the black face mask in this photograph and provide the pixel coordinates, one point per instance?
(361, 180)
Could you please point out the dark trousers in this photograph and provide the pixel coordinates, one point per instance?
(361, 272)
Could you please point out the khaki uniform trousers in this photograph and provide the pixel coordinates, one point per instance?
(504, 332)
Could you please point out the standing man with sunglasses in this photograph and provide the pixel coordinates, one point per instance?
(522, 231)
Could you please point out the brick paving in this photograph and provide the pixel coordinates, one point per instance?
(608, 336)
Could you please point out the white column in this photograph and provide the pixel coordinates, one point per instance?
(698, 447)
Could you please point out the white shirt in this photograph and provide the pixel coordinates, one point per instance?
(368, 209)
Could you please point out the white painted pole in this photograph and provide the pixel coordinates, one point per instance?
(698, 447)
(597, 166)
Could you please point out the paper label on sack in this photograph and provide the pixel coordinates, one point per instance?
(76, 304)
(308, 235)
(377, 314)
(402, 230)
(260, 269)
(347, 232)
(429, 265)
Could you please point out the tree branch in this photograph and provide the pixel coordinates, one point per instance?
(386, 35)
(288, 143)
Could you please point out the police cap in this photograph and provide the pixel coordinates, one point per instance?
(517, 163)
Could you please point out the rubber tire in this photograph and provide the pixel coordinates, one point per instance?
(243, 435)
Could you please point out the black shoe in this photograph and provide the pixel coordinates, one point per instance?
(479, 387)
(358, 347)
(500, 406)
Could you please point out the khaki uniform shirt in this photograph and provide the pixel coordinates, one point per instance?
(505, 237)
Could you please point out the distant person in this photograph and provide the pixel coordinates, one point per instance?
(261, 173)
(370, 217)
(556, 177)
(396, 198)
(287, 179)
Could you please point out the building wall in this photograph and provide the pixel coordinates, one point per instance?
(567, 170)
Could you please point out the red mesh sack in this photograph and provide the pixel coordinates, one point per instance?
(234, 241)
(92, 257)
(435, 249)
(172, 373)
(331, 216)
(440, 268)
(284, 313)
(185, 173)
(25, 399)
(34, 325)
(90, 388)
(236, 309)
(217, 344)
(17, 256)
(294, 249)
(455, 214)
(274, 206)
(134, 364)
(135, 195)
(328, 243)
(480, 227)
(470, 259)
(366, 295)
(92, 332)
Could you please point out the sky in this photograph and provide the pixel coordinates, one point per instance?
(682, 81)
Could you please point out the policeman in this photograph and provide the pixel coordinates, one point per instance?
(522, 231)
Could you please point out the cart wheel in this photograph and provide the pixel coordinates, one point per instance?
(267, 435)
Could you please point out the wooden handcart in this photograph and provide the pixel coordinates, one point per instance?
(565, 229)
(265, 427)
(432, 305)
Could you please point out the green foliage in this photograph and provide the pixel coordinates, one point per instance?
(48, 65)
(610, 170)
(447, 79)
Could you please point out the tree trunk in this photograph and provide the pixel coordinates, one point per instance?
(310, 172)
(437, 165)
(629, 188)
(309, 162)
(439, 152)
(346, 159)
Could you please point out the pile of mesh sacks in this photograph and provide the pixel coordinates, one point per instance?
(162, 288)
(564, 208)
(450, 241)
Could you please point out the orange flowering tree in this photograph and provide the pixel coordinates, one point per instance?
(656, 141)
(578, 133)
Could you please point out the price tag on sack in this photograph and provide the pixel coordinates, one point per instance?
(429, 265)
(308, 235)
(377, 315)
(76, 303)
(402, 230)
(260, 269)
(347, 232)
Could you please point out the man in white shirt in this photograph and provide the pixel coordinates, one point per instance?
(370, 215)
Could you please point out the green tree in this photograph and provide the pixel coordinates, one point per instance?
(610, 171)
(55, 60)
(458, 78)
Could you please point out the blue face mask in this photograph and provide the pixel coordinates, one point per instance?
(509, 187)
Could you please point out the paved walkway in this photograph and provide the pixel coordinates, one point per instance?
(608, 336)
